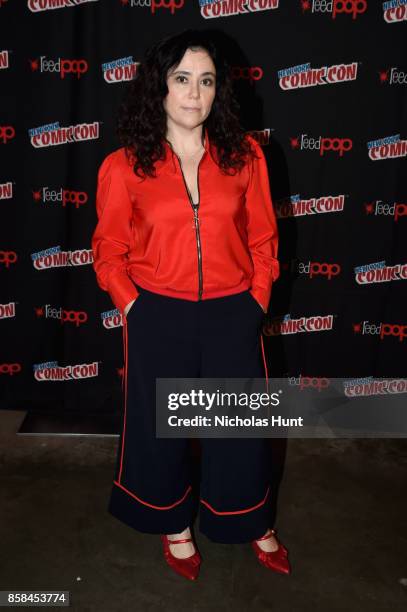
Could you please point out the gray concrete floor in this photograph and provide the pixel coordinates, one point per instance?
(341, 514)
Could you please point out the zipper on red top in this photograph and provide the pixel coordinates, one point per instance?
(195, 207)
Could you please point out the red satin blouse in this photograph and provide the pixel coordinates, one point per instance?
(149, 233)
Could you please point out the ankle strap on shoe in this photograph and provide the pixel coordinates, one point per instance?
(266, 537)
(179, 541)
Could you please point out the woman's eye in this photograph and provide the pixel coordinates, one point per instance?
(179, 77)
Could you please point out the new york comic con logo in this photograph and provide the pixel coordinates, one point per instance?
(111, 318)
(211, 9)
(297, 206)
(54, 257)
(285, 325)
(119, 70)
(302, 76)
(389, 147)
(36, 6)
(51, 371)
(395, 11)
(4, 58)
(6, 190)
(52, 134)
(379, 272)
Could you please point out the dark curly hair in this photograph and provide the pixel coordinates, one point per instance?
(142, 122)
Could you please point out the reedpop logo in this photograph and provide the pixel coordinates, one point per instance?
(10, 368)
(321, 269)
(323, 144)
(77, 317)
(335, 7)
(393, 76)
(381, 329)
(247, 73)
(7, 258)
(65, 196)
(61, 66)
(395, 210)
(155, 5)
(7, 133)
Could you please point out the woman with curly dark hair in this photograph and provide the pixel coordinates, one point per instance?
(186, 246)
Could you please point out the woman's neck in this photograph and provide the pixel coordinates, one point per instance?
(186, 141)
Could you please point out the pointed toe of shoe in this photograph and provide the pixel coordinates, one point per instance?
(276, 560)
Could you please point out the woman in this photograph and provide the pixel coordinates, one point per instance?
(186, 246)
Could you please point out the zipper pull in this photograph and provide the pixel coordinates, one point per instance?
(195, 211)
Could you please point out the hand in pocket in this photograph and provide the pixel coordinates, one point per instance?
(130, 305)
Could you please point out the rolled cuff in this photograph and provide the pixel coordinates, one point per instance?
(122, 290)
(262, 296)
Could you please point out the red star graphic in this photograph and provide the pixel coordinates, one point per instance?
(295, 142)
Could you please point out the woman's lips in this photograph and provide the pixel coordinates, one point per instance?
(190, 110)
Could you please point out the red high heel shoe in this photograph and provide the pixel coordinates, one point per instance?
(188, 567)
(275, 560)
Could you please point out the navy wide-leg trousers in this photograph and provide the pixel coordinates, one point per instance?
(167, 337)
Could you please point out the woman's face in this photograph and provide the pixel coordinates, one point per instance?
(191, 89)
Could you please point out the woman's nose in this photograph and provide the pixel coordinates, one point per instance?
(194, 90)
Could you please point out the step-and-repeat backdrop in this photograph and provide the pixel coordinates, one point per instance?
(322, 86)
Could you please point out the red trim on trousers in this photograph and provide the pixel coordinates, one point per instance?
(118, 482)
(264, 361)
(152, 505)
(236, 511)
(124, 390)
